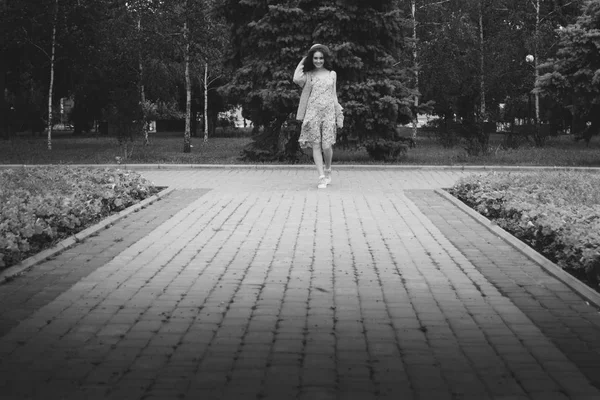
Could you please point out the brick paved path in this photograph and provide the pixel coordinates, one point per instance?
(265, 287)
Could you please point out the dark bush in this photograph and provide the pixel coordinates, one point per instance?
(385, 150)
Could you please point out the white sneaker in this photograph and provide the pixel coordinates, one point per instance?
(322, 182)
(328, 176)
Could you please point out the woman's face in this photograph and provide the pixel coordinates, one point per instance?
(318, 60)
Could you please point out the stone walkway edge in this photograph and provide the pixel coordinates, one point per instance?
(15, 270)
(310, 166)
(582, 289)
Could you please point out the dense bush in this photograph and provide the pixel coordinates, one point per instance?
(286, 149)
(39, 206)
(385, 150)
(556, 213)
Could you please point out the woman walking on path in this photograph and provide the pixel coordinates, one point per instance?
(319, 109)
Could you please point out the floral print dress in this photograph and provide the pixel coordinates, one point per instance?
(318, 125)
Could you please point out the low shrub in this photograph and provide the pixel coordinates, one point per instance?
(40, 206)
(384, 149)
(555, 213)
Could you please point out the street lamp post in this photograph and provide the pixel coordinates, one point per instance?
(532, 60)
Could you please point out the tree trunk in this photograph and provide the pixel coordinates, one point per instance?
(4, 116)
(539, 140)
(194, 121)
(212, 124)
(205, 101)
(415, 65)
(187, 145)
(142, 89)
(51, 88)
(483, 135)
(481, 63)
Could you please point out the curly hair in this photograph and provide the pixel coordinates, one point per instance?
(308, 63)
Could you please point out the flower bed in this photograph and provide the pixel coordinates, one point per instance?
(43, 205)
(555, 213)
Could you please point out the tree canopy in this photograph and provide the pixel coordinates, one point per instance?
(574, 76)
(123, 59)
(449, 50)
(111, 57)
(270, 37)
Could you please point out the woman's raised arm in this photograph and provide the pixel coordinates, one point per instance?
(299, 76)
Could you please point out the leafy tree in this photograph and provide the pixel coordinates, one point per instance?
(119, 60)
(198, 40)
(28, 44)
(212, 54)
(460, 39)
(4, 55)
(266, 44)
(449, 61)
(270, 37)
(574, 78)
(455, 69)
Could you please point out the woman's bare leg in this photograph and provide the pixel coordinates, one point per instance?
(328, 153)
(318, 158)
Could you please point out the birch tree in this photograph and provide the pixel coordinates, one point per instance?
(51, 85)
(212, 51)
(142, 10)
(539, 140)
(482, 111)
(413, 8)
(187, 141)
(203, 41)
(207, 81)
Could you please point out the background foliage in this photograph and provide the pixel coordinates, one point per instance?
(123, 62)
(574, 77)
(269, 39)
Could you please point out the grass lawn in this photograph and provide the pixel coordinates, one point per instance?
(167, 148)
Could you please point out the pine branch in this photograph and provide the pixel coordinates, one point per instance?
(434, 4)
(550, 13)
(34, 44)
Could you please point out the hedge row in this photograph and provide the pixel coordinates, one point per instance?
(555, 213)
(43, 205)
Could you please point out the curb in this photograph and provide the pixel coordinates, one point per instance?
(12, 272)
(311, 166)
(582, 289)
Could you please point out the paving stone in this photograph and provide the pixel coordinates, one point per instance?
(540, 298)
(267, 287)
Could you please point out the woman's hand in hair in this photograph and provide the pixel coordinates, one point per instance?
(299, 77)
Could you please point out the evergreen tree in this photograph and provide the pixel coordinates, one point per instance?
(270, 37)
(575, 78)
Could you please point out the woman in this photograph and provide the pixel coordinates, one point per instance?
(318, 108)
